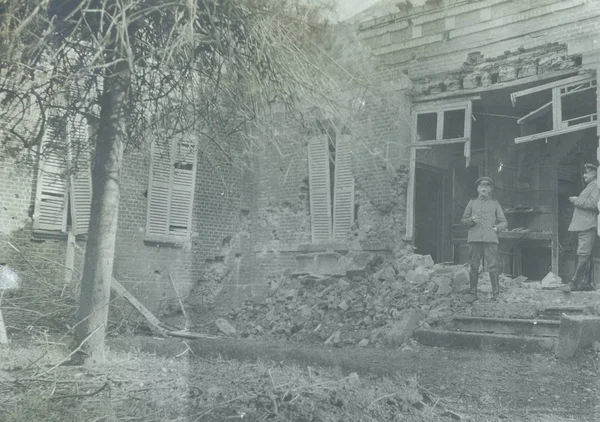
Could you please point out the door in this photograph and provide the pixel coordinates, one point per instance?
(433, 223)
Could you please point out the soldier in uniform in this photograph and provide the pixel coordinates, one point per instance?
(584, 223)
(484, 218)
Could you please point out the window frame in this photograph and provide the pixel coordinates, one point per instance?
(440, 108)
(337, 193)
(558, 89)
(77, 186)
(170, 239)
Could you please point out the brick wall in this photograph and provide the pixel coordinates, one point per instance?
(34, 256)
(207, 265)
(490, 26)
(379, 129)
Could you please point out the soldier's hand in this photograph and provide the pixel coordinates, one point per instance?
(475, 219)
(572, 198)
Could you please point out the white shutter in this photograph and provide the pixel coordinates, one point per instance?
(159, 190)
(182, 188)
(319, 189)
(343, 195)
(81, 181)
(50, 209)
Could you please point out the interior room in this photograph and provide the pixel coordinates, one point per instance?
(532, 141)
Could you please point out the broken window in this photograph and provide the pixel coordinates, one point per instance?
(330, 182)
(171, 190)
(556, 108)
(427, 126)
(64, 183)
(442, 123)
(434, 124)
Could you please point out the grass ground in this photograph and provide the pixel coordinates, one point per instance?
(138, 386)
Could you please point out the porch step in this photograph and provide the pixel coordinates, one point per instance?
(528, 327)
(475, 340)
(554, 313)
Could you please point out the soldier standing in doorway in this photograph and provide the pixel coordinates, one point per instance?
(484, 218)
(584, 223)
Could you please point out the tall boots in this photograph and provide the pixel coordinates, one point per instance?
(580, 280)
(495, 280)
(472, 294)
(473, 278)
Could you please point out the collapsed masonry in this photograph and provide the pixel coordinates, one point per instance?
(484, 72)
(369, 302)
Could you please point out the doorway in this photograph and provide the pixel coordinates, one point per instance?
(432, 225)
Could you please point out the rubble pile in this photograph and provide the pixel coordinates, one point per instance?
(357, 308)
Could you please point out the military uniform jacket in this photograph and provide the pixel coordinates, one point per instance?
(586, 208)
(490, 215)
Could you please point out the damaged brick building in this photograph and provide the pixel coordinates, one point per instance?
(497, 88)
(456, 90)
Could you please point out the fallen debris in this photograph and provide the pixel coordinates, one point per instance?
(154, 324)
(225, 327)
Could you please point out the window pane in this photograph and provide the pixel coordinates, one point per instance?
(454, 124)
(426, 127)
(577, 107)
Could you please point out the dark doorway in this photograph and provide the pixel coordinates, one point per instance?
(429, 227)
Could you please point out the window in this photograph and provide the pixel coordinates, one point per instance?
(171, 191)
(442, 123)
(64, 185)
(556, 108)
(326, 156)
(433, 124)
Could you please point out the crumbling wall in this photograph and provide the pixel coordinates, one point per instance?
(437, 39)
(376, 116)
(205, 264)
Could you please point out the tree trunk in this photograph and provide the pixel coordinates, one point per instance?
(92, 314)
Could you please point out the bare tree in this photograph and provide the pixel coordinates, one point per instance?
(134, 67)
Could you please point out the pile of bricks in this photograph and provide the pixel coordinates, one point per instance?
(382, 307)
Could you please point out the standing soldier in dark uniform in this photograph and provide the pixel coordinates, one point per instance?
(584, 223)
(485, 218)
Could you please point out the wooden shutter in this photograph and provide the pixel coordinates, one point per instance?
(182, 188)
(343, 195)
(50, 209)
(319, 187)
(81, 180)
(159, 190)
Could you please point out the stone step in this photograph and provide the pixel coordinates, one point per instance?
(529, 327)
(554, 313)
(471, 340)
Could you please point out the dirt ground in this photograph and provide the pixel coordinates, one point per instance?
(153, 379)
(477, 385)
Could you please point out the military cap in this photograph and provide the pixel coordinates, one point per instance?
(590, 166)
(484, 179)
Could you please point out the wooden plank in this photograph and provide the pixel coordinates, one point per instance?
(182, 188)
(444, 142)
(556, 84)
(551, 133)
(410, 195)
(81, 181)
(441, 104)
(439, 134)
(319, 189)
(343, 196)
(536, 113)
(159, 190)
(154, 323)
(556, 109)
